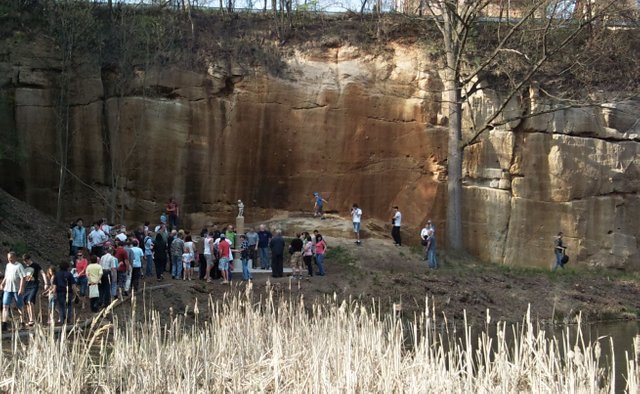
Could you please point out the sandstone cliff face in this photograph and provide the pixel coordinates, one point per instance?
(356, 126)
(575, 171)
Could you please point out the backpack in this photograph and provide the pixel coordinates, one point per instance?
(565, 259)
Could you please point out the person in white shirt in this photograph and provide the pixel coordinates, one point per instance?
(356, 218)
(108, 271)
(97, 238)
(13, 286)
(208, 255)
(428, 239)
(395, 230)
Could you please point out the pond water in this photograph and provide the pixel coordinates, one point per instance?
(619, 333)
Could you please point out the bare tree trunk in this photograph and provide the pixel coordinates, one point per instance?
(364, 4)
(454, 168)
(454, 154)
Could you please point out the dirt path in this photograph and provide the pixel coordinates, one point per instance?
(378, 270)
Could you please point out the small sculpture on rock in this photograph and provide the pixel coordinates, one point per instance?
(240, 209)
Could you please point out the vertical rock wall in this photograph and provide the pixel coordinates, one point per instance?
(575, 171)
(357, 126)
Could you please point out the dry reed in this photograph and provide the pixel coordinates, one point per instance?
(285, 346)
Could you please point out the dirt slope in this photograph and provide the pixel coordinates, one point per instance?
(24, 229)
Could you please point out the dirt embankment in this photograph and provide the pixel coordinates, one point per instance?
(24, 229)
(377, 270)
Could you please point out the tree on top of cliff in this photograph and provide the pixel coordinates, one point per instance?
(543, 31)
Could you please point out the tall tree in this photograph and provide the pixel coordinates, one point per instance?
(458, 21)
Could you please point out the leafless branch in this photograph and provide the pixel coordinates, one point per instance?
(489, 123)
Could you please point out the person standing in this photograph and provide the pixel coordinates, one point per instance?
(428, 235)
(395, 231)
(356, 219)
(64, 282)
(160, 256)
(50, 292)
(252, 239)
(177, 248)
(137, 255)
(98, 238)
(244, 256)
(173, 212)
(295, 248)
(208, 257)
(94, 276)
(424, 239)
(264, 237)
(307, 254)
(81, 269)
(106, 262)
(78, 237)
(13, 286)
(321, 249)
(277, 254)
(121, 271)
(187, 261)
(148, 254)
(189, 247)
(559, 251)
(224, 248)
(33, 272)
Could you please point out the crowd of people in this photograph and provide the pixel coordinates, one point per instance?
(108, 262)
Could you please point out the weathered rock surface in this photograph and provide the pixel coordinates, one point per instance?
(356, 126)
(557, 172)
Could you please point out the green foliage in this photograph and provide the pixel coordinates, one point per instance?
(73, 26)
(340, 256)
(310, 5)
(20, 248)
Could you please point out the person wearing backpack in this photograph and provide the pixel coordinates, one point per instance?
(560, 252)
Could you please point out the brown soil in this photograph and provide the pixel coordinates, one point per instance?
(377, 270)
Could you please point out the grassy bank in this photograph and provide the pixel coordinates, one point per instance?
(287, 346)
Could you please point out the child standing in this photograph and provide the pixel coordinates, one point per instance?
(187, 259)
(50, 292)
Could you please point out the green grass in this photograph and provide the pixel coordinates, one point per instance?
(341, 256)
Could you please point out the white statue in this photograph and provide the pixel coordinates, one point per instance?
(240, 209)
